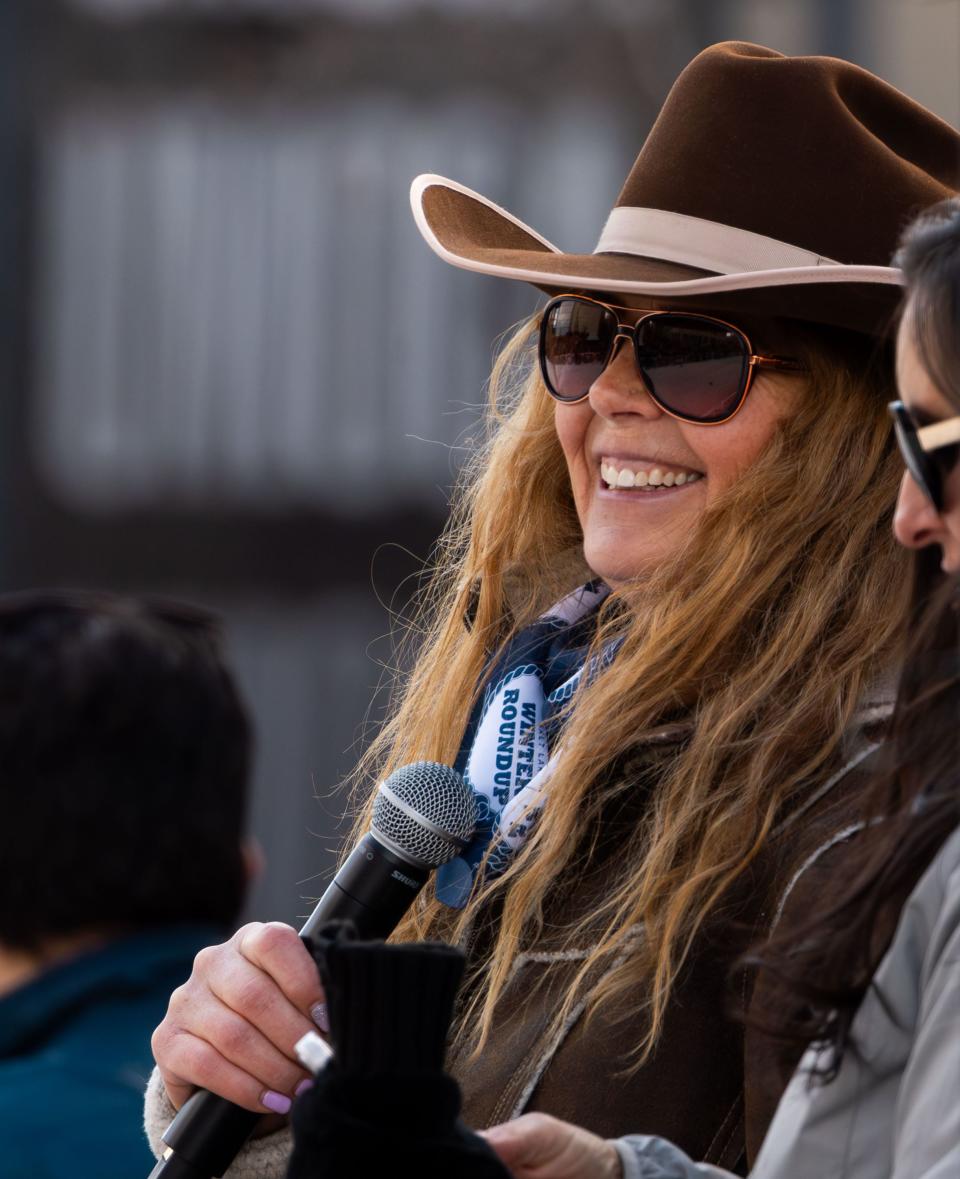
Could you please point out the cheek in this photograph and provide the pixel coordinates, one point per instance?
(571, 423)
(729, 450)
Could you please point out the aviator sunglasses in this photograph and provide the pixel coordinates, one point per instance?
(929, 452)
(696, 368)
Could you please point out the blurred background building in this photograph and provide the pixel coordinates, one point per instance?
(233, 372)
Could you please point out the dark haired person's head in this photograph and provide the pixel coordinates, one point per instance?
(929, 257)
(915, 802)
(927, 421)
(928, 377)
(124, 759)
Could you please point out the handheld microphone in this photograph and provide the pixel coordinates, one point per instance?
(424, 814)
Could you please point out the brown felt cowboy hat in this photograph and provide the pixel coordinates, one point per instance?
(768, 184)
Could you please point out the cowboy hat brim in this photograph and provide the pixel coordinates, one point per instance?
(469, 231)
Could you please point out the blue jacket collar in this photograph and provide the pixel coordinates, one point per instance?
(126, 966)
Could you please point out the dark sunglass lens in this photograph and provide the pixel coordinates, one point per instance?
(575, 343)
(696, 368)
(925, 474)
(945, 458)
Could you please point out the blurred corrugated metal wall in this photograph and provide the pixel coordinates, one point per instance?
(235, 307)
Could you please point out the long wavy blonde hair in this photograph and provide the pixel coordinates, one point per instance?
(764, 633)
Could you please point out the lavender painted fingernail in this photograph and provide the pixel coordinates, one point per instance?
(305, 1084)
(275, 1102)
(320, 1017)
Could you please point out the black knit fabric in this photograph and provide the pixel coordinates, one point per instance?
(395, 1127)
(383, 1105)
(389, 1006)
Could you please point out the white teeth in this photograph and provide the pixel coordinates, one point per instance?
(625, 478)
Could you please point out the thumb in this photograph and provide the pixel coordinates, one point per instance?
(529, 1142)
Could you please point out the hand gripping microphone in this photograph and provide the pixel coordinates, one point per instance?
(423, 816)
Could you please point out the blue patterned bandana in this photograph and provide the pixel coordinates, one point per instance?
(512, 738)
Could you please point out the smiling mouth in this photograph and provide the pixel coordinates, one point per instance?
(620, 476)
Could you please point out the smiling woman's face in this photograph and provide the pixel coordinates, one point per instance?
(665, 472)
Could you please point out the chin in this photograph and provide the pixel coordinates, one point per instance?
(619, 567)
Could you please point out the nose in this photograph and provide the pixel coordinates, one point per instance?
(620, 389)
(916, 522)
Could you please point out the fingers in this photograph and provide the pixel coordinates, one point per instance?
(537, 1146)
(267, 990)
(529, 1142)
(193, 1063)
(278, 951)
(232, 1026)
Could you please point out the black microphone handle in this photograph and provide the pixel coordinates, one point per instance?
(373, 889)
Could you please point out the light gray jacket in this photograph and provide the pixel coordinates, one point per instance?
(893, 1111)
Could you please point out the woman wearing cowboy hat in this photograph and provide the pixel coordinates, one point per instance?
(876, 1097)
(664, 616)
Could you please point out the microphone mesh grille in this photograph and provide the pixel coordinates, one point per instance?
(440, 799)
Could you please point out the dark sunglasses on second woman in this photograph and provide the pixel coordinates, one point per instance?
(929, 452)
(696, 368)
